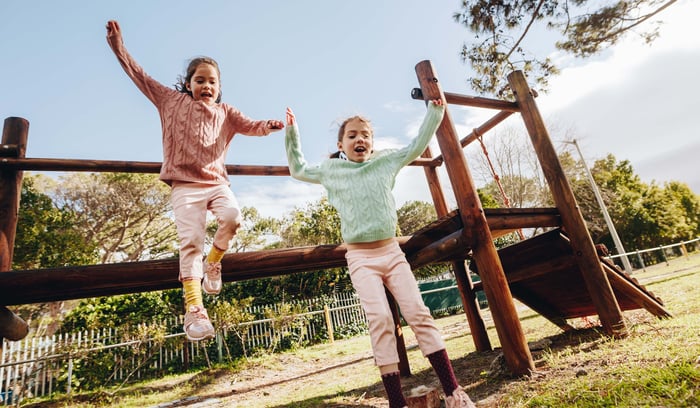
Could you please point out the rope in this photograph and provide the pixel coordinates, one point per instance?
(495, 175)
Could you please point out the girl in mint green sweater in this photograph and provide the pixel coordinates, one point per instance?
(359, 181)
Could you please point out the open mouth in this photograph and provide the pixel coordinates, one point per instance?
(360, 149)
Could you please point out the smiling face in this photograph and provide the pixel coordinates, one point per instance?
(204, 84)
(357, 140)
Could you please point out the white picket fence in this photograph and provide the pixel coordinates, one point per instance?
(40, 366)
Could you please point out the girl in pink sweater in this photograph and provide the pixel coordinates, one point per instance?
(197, 131)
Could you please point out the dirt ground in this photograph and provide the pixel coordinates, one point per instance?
(283, 379)
(271, 386)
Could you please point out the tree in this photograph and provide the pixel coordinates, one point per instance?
(588, 27)
(414, 215)
(645, 215)
(254, 233)
(511, 175)
(46, 237)
(316, 224)
(127, 214)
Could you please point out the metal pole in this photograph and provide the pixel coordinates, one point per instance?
(603, 208)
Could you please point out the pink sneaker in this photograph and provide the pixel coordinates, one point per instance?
(197, 325)
(459, 399)
(211, 285)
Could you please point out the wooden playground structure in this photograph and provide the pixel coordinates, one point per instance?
(558, 274)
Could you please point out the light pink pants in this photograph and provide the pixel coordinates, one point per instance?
(190, 203)
(370, 271)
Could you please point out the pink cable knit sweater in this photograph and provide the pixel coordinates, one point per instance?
(196, 136)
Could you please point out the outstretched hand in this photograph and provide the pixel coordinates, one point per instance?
(114, 33)
(275, 124)
(436, 101)
(291, 119)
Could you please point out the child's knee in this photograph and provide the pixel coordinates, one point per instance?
(382, 321)
(231, 219)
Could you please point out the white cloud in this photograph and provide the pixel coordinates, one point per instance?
(277, 198)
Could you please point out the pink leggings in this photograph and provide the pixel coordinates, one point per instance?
(370, 271)
(190, 203)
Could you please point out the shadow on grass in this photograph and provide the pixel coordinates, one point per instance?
(482, 374)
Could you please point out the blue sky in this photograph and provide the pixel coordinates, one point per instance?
(327, 60)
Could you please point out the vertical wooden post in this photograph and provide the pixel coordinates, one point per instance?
(478, 234)
(14, 132)
(404, 367)
(464, 283)
(572, 221)
(329, 323)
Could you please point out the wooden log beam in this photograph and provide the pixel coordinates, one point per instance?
(637, 295)
(573, 223)
(12, 327)
(15, 131)
(474, 101)
(477, 235)
(120, 166)
(481, 130)
(470, 303)
(77, 282)
(450, 247)
(53, 284)
(8, 150)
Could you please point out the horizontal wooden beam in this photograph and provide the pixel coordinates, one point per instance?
(474, 101)
(77, 282)
(12, 327)
(119, 166)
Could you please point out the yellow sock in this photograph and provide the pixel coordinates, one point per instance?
(193, 293)
(215, 254)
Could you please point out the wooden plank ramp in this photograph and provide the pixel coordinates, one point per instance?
(542, 274)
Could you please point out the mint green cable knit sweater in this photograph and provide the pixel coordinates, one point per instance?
(361, 192)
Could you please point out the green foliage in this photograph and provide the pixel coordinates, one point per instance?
(229, 317)
(254, 233)
(123, 310)
(351, 330)
(316, 224)
(500, 32)
(415, 215)
(288, 325)
(46, 236)
(645, 215)
(127, 214)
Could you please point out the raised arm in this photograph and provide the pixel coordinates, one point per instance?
(298, 167)
(153, 89)
(433, 118)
